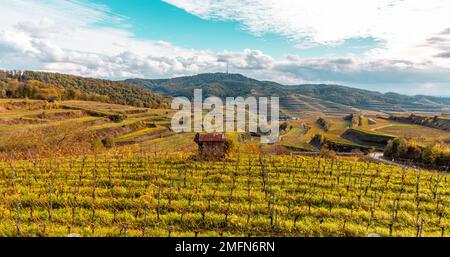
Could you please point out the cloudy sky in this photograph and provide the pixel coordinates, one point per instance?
(385, 45)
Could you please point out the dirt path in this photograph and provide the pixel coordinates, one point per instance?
(382, 127)
(378, 156)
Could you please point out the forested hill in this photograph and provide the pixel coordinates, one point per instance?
(213, 84)
(56, 86)
(314, 97)
(149, 93)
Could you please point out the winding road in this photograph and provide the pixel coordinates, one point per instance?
(382, 127)
(378, 156)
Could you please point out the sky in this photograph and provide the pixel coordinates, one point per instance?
(398, 46)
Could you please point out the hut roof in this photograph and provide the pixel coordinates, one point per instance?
(209, 138)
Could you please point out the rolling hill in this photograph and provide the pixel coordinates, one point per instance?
(296, 98)
(156, 93)
(45, 85)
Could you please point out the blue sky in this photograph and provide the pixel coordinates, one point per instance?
(382, 45)
(159, 20)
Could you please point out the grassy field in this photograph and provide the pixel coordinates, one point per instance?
(423, 134)
(171, 195)
(297, 138)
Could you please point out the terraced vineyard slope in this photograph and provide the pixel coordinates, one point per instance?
(142, 194)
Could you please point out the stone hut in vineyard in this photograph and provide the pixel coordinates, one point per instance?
(210, 146)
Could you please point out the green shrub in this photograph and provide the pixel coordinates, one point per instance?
(434, 155)
(108, 142)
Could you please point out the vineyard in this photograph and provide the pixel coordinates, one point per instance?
(145, 194)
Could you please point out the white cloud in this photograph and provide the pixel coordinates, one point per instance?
(356, 71)
(43, 29)
(248, 59)
(306, 45)
(65, 36)
(16, 41)
(402, 25)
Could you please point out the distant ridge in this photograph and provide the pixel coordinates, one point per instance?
(296, 98)
(156, 93)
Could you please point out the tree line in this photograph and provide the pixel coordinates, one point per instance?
(55, 86)
(436, 155)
